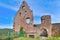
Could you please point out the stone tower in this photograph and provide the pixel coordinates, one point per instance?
(46, 23)
(23, 18)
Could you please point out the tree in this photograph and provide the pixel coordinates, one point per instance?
(22, 33)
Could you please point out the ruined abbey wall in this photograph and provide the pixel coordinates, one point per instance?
(31, 29)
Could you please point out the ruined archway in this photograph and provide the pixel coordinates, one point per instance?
(44, 32)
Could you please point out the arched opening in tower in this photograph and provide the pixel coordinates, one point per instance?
(44, 33)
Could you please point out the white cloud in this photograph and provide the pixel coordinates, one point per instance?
(6, 26)
(55, 18)
(8, 6)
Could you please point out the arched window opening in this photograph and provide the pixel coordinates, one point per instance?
(23, 7)
(25, 11)
(28, 20)
(20, 13)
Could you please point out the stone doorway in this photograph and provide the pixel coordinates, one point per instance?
(44, 33)
(31, 36)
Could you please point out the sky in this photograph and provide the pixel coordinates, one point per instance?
(9, 8)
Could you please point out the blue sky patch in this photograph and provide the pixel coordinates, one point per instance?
(9, 8)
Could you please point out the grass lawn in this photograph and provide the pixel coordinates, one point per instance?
(25, 38)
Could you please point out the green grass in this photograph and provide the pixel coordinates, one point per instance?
(25, 38)
(48, 38)
(4, 36)
(4, 33)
